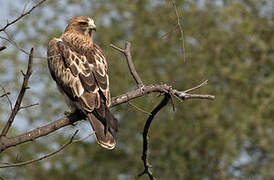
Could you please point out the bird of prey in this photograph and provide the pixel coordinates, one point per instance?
(80, 70)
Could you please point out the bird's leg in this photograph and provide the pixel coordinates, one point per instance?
(68, 113)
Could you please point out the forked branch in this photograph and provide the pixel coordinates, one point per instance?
(130, 64)
(20, 97)
(147, 165)
(23, 14)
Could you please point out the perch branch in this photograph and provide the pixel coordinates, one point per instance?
(43, 157)
(20, 96)
(130, 64)
(6, 142)
(21, 16)
(147, 165)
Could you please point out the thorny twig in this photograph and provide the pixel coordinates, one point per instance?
(20, 96)
(43, 157)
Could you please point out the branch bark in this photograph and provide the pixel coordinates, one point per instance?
(144, 157)
(7, 142)
(20, 96)
(130, 63)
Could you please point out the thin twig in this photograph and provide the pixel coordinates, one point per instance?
(180, 28)
(11, 41)
(147, 166)
(130, 64)
(6, 94)
(139, 109)
(170, 31)
(25, 6)
(20, 96)
(21, 16)
(43, 157)
(196, 87)
(24, 107)
(84, 138)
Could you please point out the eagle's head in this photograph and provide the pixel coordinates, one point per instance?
(81, 24)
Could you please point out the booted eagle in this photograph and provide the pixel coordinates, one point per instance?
(80, 70)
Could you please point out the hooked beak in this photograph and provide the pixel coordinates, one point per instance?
(92, 26)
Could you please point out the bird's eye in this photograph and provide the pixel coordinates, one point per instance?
(83, 23)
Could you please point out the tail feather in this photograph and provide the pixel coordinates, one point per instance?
(104, 138)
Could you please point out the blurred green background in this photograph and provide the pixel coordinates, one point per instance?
(228, 42)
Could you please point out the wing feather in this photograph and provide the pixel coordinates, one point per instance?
(79, 76)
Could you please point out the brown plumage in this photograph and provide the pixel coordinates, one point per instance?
(80, 70)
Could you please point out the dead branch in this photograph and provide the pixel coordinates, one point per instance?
(22, 15)
(130, 64)
(6, 142)
(20, 96)
(147, 165)
(43, 157)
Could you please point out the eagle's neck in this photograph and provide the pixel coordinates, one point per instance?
(79, 42)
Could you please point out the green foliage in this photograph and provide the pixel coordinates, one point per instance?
(228, 42)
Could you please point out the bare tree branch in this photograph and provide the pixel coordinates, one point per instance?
(24, 107)
(21, 16)
(6, 142)
(196, 87)
(43, 157)
(20, 96)
(130, 64)
(147, 165)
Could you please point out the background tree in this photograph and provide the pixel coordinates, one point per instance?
(228, 42)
